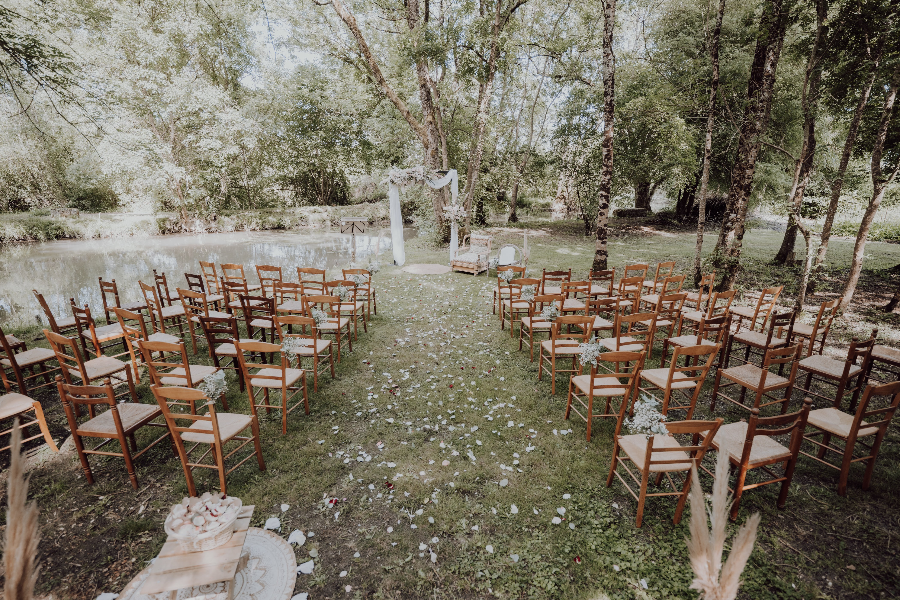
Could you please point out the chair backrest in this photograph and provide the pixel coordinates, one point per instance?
(195, 283)
(692, 369)
(507, 255)
(481, 244)
(661, 455)
(233, 272)
(348, 284)
(765, 305)
(135, 329)
(109, 294)
(256, 307)
(74, 397)
(154, 306)
(860, 354)
(162, 288)
(218, 330)
(664, 270)
(67, 355)
(668, 307)
(325, 303)
(287, 290)
(634, 283)
(822, 326)
(208, 269)
(571, 327)
(171, 356)
(781, 356)
(603, 279)
(194, 303)
(50, 318)
(556, 278)
(779, 322)
(346, 273)
(572, 289)
(311, 278)
(259, 350)
(268, 275)
(615, 378)
(176, 404)
(720, 304)
(233, 288)
(10, 356)
(609, 307)
(876, 417)
(636, 270)
(84, 323)
(714, 329)
(641, 327)
(791, 424)
(672, 284)
(541, 301)
(296, 326)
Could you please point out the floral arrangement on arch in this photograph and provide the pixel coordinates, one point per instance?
(455, 213)
(647, 420)
(405, 177)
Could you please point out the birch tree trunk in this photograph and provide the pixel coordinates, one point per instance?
(760, 89)
(809, 102)
(879, 184)
(707, 148)
(604, 191)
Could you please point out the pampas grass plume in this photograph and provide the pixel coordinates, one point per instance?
(706, 546)
(22, 534)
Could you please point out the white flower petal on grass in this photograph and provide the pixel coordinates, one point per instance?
(433, 557)
(504, 482)
(514, 557)
(566, 496)
(644, 583)
(390, 530)
(474, 527)
(348, 588)
(285, 507)
(306, 568)
(297, 537)
(272, 523)
(535, 511)
(435, 540)
(615, 505)
(489, 548)
(514, 509)
(571, 525)
(314, 552)
(431, 520)
(561, 511)
(342, 574)
(556, 520)
(423, 546)
(301, 596)
(616, 568)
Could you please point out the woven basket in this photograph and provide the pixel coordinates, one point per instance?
(208, 540)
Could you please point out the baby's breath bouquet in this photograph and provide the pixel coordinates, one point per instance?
(213, 385)
(528, 292)
(319, 316)
(590, 352)
(342, 293)
(292, 346)
(359, 279)
(507, 275)
(550, 312)
(647, 419)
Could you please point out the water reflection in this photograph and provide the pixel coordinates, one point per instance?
(70, 269)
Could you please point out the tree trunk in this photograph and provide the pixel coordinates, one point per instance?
(561, 208)
(894, 301)
(809, 103)
(513, 217)
(760, 88)
(838, 184)
(707, 148)
(642, 195)
(604, 191)
(879, 184)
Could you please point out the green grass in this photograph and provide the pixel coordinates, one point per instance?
(394, 389)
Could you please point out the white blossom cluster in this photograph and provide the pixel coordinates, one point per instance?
(342, 293)
(213, 385)
(359, 279)
(292, 346)
(550, 312)
(590, 352)
(455, 213)
(647, 419)
(528, 292)
(374, 267)
(507, 275)
(319, 316)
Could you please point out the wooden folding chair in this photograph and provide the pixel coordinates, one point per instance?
(211, 277)
(760, 380)
(337, 326)
(847, 376)
(611, 383)
(196, 305)
(235, 273)
(109, 294)
(118, 423)
(103, 368)
(266, 377)
(312, 279)
(534, 324)
(196, 284)
(213, 428)
(352, 307)
(289, 297)
(636, 270)
(25, 367)
(630, 289)
(101, 338)
(172, 368)
(758, 342)
(632, 333)
(135, 329)
(62, 325)
(680, 378)
(664, 270)
(764, 306)
(219, 332)
(752, 446)
(719, 304)
(316, 349)
(661, 455)
(669, 285)
(695, 300)
(18, 406)
(668, 309)
(854, 432)
(268, 275)
(566, 334)
(509, 297)
(551, 281)
(365, 290)
(711, 332)
(162, 315)
(519, 273)
(602, 285)
(258, 312)
(517, 308)
(575, 293)
(816, 334)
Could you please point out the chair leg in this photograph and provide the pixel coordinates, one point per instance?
(738, 492)
(79, 446)
(305, 395)
(682, 499)
(845, 468)
(642, 498)
(615, 463)
(218, 455)
(129, 465)
(42, 423)
(569, 401)
(590, 414)
(254, 425)
(712, 397)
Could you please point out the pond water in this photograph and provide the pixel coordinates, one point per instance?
(70, 269)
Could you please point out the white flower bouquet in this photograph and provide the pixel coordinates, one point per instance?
(507, 275)
(319, 316)
(647, 419)
(455, 213)
(374, 267)
(550, 312)
(342, 293)
(213, 385)
(528, 293)
(359, 279)
(292, 346)
(590, 352)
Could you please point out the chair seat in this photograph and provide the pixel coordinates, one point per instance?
(263, 323)
(822, 365)
(515, 303)
(213, 298)
(650, 299)
(748, 375)
(176, 310)
(635, 447)
(163, 337)
(744, 311)
(561, 347)
(692, 297)
(351, 306)
(230, 425)
(536, 323)
(470, 258)
(757, 339)
(14, 404)
(215, 314)
(197, 374)
(102, 366)
(552, 290)
(683, 341)
(886, 353)
(30, 357)
(333, 324)
(650, 283)
(229, 349)
(291, 306)
(598, 289)
(694, 315)
(730, 439)
(622, 344)
(132, 414)
(573, 304)
(13, 340)
(583, 383)
(291, 377)
(660, 378)
(837, 422)
(135, 306)
(601, 324)
(65, 322)
(803, 330)
(309, 349)
(106, 333)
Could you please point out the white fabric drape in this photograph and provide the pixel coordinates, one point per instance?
(453, 179)
(397, 218)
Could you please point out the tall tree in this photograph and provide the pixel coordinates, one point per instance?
(604, 192)
(809, 103)
(880, 181)
(707, 147)
(760, 90)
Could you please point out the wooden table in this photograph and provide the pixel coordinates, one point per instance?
(176, 568)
